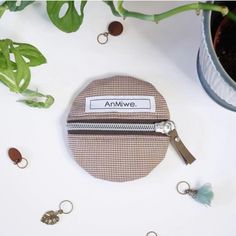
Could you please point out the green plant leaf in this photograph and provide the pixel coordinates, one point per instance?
(15, 71)
(30, 52)
(36, 99)
(71, 21)
(13, 6)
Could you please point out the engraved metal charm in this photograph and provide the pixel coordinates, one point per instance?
(17, 158)
(115, 28)
(51, 217)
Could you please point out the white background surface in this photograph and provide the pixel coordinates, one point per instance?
(163, 54)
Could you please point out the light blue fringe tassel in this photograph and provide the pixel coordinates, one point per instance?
(204, 194)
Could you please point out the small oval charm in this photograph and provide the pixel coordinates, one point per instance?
(15, 155)
(50, 218)
(17, 158)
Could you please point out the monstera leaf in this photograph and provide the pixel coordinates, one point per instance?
(17, 6)
(71, 20)
(15, 62)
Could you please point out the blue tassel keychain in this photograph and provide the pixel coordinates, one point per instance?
(203, 195)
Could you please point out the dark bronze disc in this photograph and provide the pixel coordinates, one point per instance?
(15, 155)
(115, 28)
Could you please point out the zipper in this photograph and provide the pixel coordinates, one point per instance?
(167, 128)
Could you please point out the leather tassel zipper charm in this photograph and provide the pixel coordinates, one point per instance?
(156, 128)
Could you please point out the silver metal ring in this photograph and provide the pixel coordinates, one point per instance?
(63, 203)
(102, 38)
(23, 163)
(180, 185)
(151, 233)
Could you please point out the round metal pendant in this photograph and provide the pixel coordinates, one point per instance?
(115, 28)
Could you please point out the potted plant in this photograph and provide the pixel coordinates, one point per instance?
(64, 15)
(216, 63)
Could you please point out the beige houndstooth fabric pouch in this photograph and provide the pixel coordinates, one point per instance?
(119, 129)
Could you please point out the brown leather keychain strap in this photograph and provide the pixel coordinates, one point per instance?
(180, 147)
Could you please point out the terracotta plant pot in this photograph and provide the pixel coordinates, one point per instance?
(216, 58)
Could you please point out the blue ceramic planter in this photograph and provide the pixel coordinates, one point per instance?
(214, 79)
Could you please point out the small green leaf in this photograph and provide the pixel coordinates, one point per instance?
(36, 99)
(30, 52)
(13, 6)
(71, 21)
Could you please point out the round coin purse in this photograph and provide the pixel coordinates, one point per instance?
(119, 129)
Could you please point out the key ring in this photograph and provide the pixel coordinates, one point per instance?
(24, 164)
(102, 38)
(179, 189)
(64, 203)
(151, 233)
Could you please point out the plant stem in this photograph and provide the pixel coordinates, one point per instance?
(3, 8)
(113, 9)
(188, 7)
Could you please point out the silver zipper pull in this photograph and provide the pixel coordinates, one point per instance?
(169, 128)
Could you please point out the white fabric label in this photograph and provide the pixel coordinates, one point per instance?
(120, 104)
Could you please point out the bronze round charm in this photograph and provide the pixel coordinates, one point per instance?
(115, 28)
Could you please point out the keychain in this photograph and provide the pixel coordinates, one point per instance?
(203, 195)
(51, 217)
(17, 158)
(115, 28)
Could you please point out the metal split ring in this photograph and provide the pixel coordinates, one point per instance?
(103, 38)
(151, 233)
(64, 203)
(179, 187)
(23, 163)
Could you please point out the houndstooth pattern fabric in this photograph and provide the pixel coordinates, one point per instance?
(118, 158)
